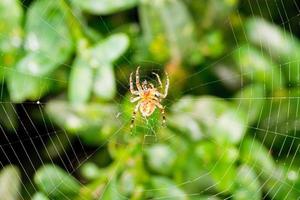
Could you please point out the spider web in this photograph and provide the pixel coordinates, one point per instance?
(24, 147)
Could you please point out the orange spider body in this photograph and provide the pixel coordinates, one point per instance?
(147, 107)
(148, 96)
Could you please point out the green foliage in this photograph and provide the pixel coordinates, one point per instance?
(56, 183)
(10, 183)
(232, 128)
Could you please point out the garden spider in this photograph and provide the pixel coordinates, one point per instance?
(148, 97)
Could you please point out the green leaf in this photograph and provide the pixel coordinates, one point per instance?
(110, 49)
(279, 43)
(11, 15)
(105, 7)
(187, 125)
(111, 191)
(10, 183)
(166, 189)
(161, 158)
(218, 119)
(257, 156)
(56, 183)
(57, 145)
(283, 184)
(98, 58)
(248, 186)
(279, 120)
(91, 171)
(9, 118)
(48, 44)
(39, 196)
(169, 30)
(81, 82)
(94, 122)
(105, 83)
(220, 161)
(47, 32)
(258, 68)
(24, 86)
(251, 98)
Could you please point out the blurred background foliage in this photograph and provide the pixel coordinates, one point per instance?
(232, 111)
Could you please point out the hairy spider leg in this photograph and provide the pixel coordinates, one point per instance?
(137, 79)
(134, 115)
(134, 99)
(131, 86)
(167, 86)
(162, 110)
(158, 79)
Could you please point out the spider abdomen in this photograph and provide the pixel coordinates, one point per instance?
(147, 108)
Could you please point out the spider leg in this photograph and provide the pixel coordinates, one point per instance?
(167, 86)
(131, 86)
(137, 78)
(162, 110)
(134, 99)
(134, 115)
(158, 79)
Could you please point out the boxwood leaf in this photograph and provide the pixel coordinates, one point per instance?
(258, 68)
(81, 81)
(281, 44)
(160, 158)
(10, 183)
(218, 118)
(94, 122)
(105, 83)
(39, 196)
(98, 59)
(251, 98)
(110, 49)
(47, 32)
(104, 7)
(48, 44)
(56, 183)
(169, 30)
(166, 189)
(257, 156)
(11, 15)
(248, 186)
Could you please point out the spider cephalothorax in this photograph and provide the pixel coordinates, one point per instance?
(148, 96)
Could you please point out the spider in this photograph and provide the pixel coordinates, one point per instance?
(148, 97)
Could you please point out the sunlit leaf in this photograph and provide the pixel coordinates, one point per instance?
(160, 158)
(104, 7)
(279, 43)
(111, 191)
(169, 30)
(9, 116)
(98, 59)
(25, 86)
(39, 196)
(166, 189)
(110, 49)
(247, 184)
(258, 68)
(10, 183)
(11, 15)
(257, 156)
(220, 161)
(251, 98)
(56, 183)
(80, 83)
(218, 119)
(48, 44)
(94, 122)
(105, 83)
